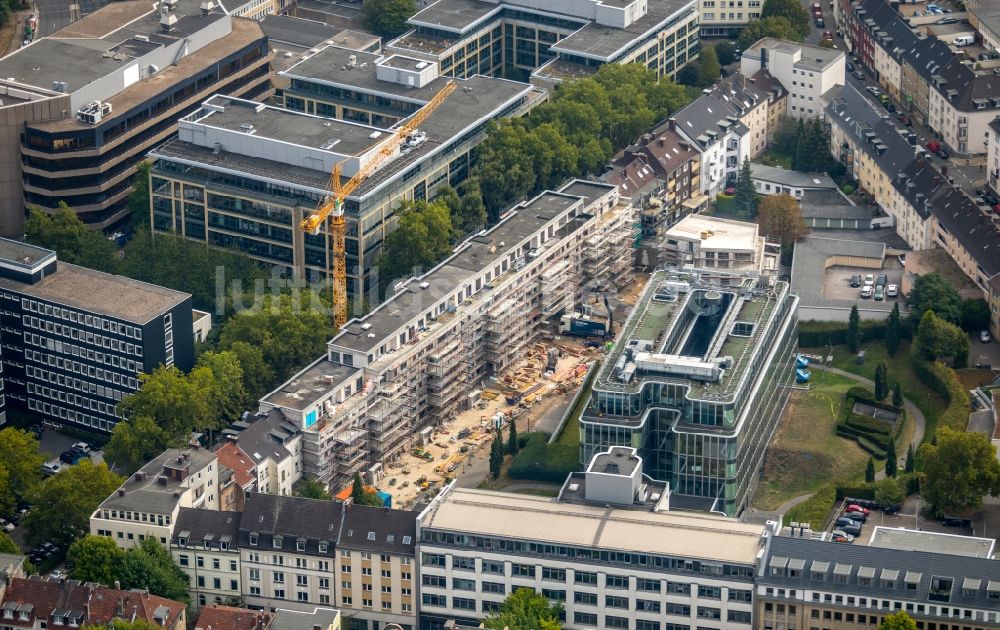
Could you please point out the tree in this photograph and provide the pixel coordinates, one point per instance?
(881, 381)
(388, 17)
(72, 240)
(64, 502)
(897, 395)
(889, 491)
(938, 338)
(358, 492)
(932, 292)
(221, 376)
(746, 198)
(892, 332)
(471, 216)
(708, 65)
(825, 43)
(792, 10)
(525, 609)
(780, 218)
(7, 544)
(890, 458)
(975, 315)
(870, 471)
(122, 624)
(20, 466)
(959, 470)
(258, 377)
(726, 52)
(777, 27)
(149, 566)
(496, 456)
(135, 441)
(312, 489)
(898, 621)
(138, 199)
(421, 240)
(177, 404)
(690, 74)
(911, 464)
(512, 446)
(854, 329)
(95, 559)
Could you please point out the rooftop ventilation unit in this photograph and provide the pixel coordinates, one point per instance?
(94, 112)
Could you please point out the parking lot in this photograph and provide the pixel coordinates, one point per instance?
(837, 281)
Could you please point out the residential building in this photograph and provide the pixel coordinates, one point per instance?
(618, 563)
(221, 184)
(807, 72)
(204, 546)
(83, 106)
(722, 18)
(375, 569)
(268, 449)
(993, 156)
(773, 180)
(149, 501)
(696, 376)
(985, 18)
(723, 250)
(413, 361)
(76, 340)
(229, 618)
(550, 43)
(50, 603)
(818, 583)
(287, 551)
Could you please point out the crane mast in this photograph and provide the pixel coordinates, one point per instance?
(332, 209)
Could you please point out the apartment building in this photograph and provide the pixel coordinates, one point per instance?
(243, 175)
(204, 546)
(39, 603)
(551, 42)
(148, 503)
(616, 560)
(814, 583)
(774, 180)
(726, 18)
(82, 106)
(993, 155)
(723, 250)
(413, 361)
(76, 340)
(694, 381)
(266, 452)
(229, 618)
(376, 567)
(807, 72)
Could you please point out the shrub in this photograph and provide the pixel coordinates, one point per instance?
(860, 393)
(816, 509)
(848, 189)
(872, 448)
(541, 461)
(814, 334)
(862, 491)
(944, 382)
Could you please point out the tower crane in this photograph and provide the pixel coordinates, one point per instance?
(332, 208)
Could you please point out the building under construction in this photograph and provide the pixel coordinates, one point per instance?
(419, 358)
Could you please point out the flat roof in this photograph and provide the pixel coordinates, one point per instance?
(101, 293)
(788, 177)
(146, 493)
(542, 519)
(297, 31)
(606, 42)
(76, 62)
(813, 57)
(716, 233)
(456, 15)
(915, 540)
(619, 461)
(23, 254)
(331, 65)
(303, 389)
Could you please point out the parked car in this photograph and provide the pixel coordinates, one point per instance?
(51, 468)
(933, 146)
(58, 574)
(856, 516)
(984, 336)
(849, 66)
(873, 90)
(83, 447)
(947, 20)
(891, 290)
(880, 281)
(856, 280)
(820, 23)
(869, 280)
(69, 457)
(880, 293)
(843, 520)
(943, 154)
(827, 35)
(854, 507)
(853, 530)
(839, 535)
(955, 521)
(866, 292)
(859, 75)
(7, 526)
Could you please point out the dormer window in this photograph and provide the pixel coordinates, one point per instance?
(323, 547)
(276, 542)
(224, 546)
(182, 541)
(300, 544)
(253, 539)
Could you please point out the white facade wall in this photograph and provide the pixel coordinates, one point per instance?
(299, 581)
(214, 574)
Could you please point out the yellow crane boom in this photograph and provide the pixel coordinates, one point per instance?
(332, 208)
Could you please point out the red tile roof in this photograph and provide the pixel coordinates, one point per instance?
(216, 617)
(93, 604)
(232, 456)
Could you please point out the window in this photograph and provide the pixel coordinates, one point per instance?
(587, 619)
(616, 581)
(645, 624)
(676, 588)
(615, 622)
(737, 595)
(432, 559)
(585, 577)
(522, 570)
(435, 580)
(494, 587)
(278, 577)
(738, 616)
(611, 601)
(492, 567)
(709, 613)
(302, 580)
(585, 598)
(648, 605)
(557, 575)
(710, 592)
(643, 584)
(460, 584)
(254, 574)
(431, 599)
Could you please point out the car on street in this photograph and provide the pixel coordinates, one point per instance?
(83, 447)
(866, 292)
(891, 290)
(859, 75)
(849, 66)
(820, 23)
(58, 574)
(984, 336)
(879, 292)
(856, 280)
(874, 91)
(827, 35)
(51, 468)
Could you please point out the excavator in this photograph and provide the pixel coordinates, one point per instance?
(332, 209)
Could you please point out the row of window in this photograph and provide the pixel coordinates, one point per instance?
(159, 520)
(98, 323)
(75, 383)
(71, 415)
(127, 536)
(279, 561)
(72, 399)
(84, 336)
(84, 353)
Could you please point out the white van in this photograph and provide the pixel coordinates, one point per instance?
(964, 40)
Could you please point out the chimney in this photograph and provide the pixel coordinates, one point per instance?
(207, 6)
(118, 585)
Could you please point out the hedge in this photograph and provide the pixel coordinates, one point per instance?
(867, 424)
(867, 396)
(816, 509)
(868, 445)
(813, 334)
(864, 491)
(541, 461)
(879, 441)
(944, 382)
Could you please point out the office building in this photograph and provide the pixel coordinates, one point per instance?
(243, 175)
(696, 381)
(204, 546)
(148, 503)
(723, 250)
(612, 558)
(726, 18)
(819, 584)
(413, 361)
(38, 603)
(549, 43)
(806, 72)
(82, 107)
(76, 340)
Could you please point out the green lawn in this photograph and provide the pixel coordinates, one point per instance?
(775, 159)
(806, 452)
(900, 369)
